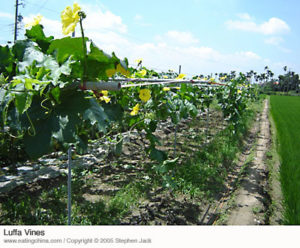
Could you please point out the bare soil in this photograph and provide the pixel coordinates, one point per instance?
(251, 200)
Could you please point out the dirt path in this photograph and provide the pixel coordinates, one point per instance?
(250, 196)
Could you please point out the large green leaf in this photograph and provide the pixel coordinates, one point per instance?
(113, 111)
(98, 55)
(67, 129)
(36, 34)
(40, 143)
(98, 62)
(72, 102)
(66, 47)
(96, 115)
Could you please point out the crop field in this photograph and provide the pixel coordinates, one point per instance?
(286, 113)
(88, 138)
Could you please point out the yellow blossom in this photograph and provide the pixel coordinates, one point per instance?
(122, 70)
(105, 96)
(181, 76)
(212, 79)
(165, 77)
(145, 95)
(110, 72)
(239, 92)
(166, 88)
(70, 18)
(135, 110)
(143, 73)
(205, 79)
(177, 88)
(36, 21)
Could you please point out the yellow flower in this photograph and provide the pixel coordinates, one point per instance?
(122, 70)
(143, 73)
(165, 77)
(145, 95)
(205, 79)
(211, 79)
(135, 110)
(177, 88)
(105, 96)
(110, 72)
(166, 88)
(36, 21)
(239, 92)
(181, 76)
(70, 18)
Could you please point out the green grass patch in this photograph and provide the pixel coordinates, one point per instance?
(286, 114)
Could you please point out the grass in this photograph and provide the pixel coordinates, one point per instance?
(50, 206)
(285, 111)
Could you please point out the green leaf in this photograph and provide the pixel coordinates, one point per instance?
(114, 112)
(23, 101)
(118, 148)
(55, 92)
(72, 102)
(40, 143)
(170, 164)
(152, 125)
(36, 34)
(28, 83)
(183, 88)
(96, 115)
(98, 62)
(6, 60)
(66, 47)
(98, 55)
(157, 155)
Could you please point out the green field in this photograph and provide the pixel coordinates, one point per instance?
(285, 111)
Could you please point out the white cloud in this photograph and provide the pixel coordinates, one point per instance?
(6, 15)
(273, 26)
(249, 55)
(274, 40)
(244, 16)
(277, 41)
(174, 37)
(182, 37)
(99, 19)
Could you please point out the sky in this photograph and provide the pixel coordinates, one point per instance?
(203, 36)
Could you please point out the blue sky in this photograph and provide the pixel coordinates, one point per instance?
(202, 36)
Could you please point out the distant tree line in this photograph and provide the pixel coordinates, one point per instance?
(287, 82)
